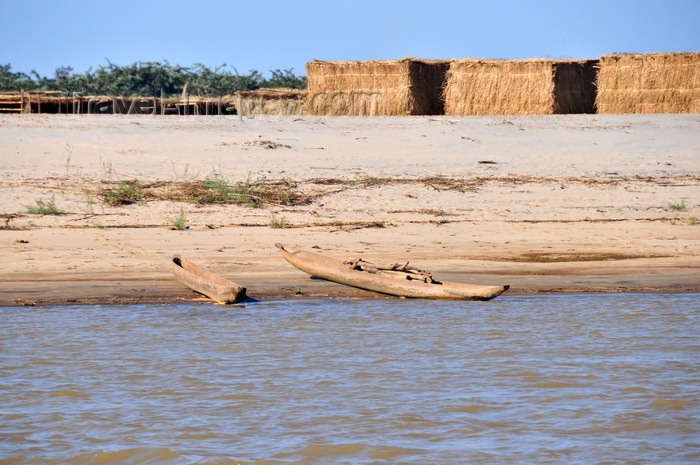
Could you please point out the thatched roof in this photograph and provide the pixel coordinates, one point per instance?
(519, 87)
(649, 83)
(409, 86)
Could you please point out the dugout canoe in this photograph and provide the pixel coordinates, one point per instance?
(392, 280)
(207, 283)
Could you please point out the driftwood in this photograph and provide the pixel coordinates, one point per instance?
(207, 283)
(397, 280)
(396, 268)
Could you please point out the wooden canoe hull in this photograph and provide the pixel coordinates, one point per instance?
(207, 283)
(336, 271)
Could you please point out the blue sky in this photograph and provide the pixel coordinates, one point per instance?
(271, 34)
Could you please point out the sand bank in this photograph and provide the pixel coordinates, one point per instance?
(544, 203)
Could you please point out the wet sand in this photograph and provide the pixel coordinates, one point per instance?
(573, 203)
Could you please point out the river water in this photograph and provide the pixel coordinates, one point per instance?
(594, 379)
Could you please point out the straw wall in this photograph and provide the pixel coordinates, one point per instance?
(650, 83)
(271, 101)
(396, 87)
(520, 87)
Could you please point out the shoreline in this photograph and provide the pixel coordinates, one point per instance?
(272, 279)
(547, 204)
(160, 293)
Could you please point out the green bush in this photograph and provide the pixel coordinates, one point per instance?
(149, 79)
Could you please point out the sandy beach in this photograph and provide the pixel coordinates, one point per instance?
(571, 203)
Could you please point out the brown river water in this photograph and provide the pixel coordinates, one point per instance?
(565, 379)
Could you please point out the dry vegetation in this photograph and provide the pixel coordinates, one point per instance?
(407, 87)
(649, 83)
(212, 190)
(261, 192)
(299, 203)
(520, 87)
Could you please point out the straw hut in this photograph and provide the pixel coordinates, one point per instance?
(520, 87)
(391, 87)
(649, 83)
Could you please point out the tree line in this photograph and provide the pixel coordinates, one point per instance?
(149, 79)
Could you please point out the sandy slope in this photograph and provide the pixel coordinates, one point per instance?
(545, 203)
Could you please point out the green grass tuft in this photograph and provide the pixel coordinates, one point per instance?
(127, 193)
(277, 222)
(179, 222)
(44, 207)
(679, 207)
(254, 193)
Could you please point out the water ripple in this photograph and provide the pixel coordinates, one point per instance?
(545, 379)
